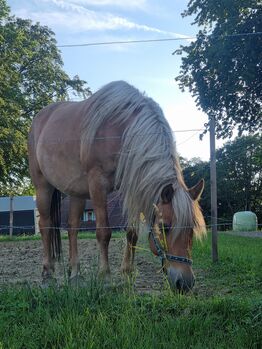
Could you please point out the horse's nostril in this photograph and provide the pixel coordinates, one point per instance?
(179, 284)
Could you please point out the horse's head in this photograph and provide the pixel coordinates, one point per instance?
(171, 237)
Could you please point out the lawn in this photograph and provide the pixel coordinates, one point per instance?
(224, 311)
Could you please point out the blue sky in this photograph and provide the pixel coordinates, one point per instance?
(149, 66)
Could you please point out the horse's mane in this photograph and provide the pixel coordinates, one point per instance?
(147, 161)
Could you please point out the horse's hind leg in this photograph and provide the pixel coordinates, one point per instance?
(76, 209)
(44, 194)
(127, 265)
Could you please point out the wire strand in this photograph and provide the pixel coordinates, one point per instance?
(103, 43)
(115, 227)
(103, 138)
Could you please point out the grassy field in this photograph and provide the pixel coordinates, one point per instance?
(224, 311)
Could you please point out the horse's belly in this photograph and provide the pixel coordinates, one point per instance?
(62, 168)
(77, 186)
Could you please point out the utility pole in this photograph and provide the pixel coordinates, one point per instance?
(213, 183)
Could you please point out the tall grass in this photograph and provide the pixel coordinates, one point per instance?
(225, 311)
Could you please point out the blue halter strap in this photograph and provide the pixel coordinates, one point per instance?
(165, 256)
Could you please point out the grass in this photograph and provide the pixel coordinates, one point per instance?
(64, 235)
(238, 271)
(225, 311)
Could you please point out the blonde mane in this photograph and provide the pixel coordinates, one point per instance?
(147, 161)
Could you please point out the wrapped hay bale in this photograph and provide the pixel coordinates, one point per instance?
(244, 221)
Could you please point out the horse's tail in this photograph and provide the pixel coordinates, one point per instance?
(55, 215)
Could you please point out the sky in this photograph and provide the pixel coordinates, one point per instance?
(151, 67)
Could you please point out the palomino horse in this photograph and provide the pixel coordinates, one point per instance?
(116, 139)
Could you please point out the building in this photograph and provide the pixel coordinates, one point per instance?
(25, 218)
(24, 214)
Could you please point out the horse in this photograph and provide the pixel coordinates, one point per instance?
(117, 139)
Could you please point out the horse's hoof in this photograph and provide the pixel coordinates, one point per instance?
(77, 281)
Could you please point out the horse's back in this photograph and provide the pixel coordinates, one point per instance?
(54, 143)
(48, 115)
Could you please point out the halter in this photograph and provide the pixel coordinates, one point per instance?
(165, 256)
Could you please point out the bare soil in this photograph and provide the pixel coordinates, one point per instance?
(21, 262)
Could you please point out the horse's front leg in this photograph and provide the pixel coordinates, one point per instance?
(127, 265)
(76, 209)
(98, 192)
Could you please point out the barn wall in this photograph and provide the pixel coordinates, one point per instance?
(23, 222)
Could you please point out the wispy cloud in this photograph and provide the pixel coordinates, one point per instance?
(72, 15)
(130, 4)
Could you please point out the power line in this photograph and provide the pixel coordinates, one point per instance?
(125, 42)
(153, 40)
(187, 139)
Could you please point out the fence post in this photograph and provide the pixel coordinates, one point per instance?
(11, 216)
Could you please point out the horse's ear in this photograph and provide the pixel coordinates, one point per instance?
(167, 194)
(196, 191)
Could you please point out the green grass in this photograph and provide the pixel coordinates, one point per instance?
(81, 235)
(225, 311)
(238, 271)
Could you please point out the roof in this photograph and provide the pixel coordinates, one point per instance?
(20, 203)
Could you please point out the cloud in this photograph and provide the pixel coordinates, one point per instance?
(73, 16)
(134, 4)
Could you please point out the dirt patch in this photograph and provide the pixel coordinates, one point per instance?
(21, 261)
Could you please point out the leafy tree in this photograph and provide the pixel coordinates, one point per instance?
(194, 170)
(4, 9)
(31, 76)
(222, 68)
(239, 177)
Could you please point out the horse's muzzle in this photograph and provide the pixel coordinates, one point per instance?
(179, 281)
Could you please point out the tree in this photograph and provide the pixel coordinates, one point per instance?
(222, 69)
(31, 77)
(193, 171)
(239, 177)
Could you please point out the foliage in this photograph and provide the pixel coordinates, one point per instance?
(194, 170)
(225, 311)
(239, 178)
(31, 76)
(222, 68)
